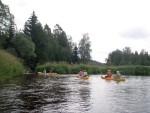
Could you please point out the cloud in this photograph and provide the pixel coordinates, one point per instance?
(137, 33)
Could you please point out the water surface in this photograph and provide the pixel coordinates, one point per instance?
(69, 94)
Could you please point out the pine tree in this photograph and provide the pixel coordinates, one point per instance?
(75, 57)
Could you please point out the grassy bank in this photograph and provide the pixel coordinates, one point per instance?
(64, 68)
(10, 66)
(127, 69)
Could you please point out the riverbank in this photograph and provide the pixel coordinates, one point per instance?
(10, 66)
(64, 68)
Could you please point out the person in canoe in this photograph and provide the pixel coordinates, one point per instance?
(85, 73)
(81, 73)
(118, 75)
(109, 74)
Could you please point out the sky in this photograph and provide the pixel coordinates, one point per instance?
(111, 24)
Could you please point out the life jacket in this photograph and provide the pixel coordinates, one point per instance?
(109, 74)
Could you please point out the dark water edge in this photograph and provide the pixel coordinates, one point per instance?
(69, 94)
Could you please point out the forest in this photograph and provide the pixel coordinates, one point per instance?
(38, 44)
(127, 57)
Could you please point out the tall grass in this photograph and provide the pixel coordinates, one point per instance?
(125, 70)
(10, 66)
(64, 68)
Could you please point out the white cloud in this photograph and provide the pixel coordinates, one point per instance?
(136, 34)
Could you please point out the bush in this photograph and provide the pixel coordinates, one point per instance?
(142, 70)
(64, 68)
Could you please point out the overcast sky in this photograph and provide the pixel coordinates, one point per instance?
(111, 24)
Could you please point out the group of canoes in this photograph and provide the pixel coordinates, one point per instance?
(117, 77)
(84, 75)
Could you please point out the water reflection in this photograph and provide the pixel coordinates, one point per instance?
(69, 94)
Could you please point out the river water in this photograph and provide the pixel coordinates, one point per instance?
(69, 94)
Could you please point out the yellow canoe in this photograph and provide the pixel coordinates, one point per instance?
(113, 78)
(82, 77)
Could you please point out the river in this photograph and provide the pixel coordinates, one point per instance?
(69, 94)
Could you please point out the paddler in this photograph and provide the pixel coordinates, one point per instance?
(109, 74)
(118, 75)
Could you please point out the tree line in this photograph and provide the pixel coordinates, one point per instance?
(127, 57)
(36, 43)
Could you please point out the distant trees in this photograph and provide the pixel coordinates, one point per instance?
(84, 48)
(127, 57)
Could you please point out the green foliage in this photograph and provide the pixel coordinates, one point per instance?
(10, 66)
(64, 49)
(84, 49)
(38, 44)
(5, 16)
(127, 57)
(64, 68)
(25, 48)
(142, 70)
(7, 25)
(75, 55)
(95, 70)
(23, 45)
(40, 38)
(127, 69)
(2, 40)
(75, 69)
(60, 70)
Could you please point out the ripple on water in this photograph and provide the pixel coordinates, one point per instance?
(69, 94)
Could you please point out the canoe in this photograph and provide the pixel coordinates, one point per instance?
(46, 74)
(113, 78)
(82, 77)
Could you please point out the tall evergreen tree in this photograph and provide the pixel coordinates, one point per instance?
(30, 27)
(75, 55)
(47, 30)
(34, 29)
(11, 32)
